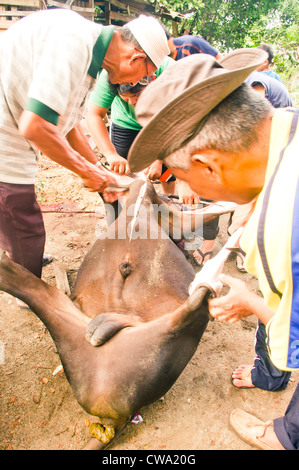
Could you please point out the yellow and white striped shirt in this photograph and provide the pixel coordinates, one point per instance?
(271, 240)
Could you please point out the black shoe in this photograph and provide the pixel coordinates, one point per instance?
(47, 259)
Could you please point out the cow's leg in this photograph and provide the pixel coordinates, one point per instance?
(55, 309)
(66, 325)
(194, 309)
(42, 298)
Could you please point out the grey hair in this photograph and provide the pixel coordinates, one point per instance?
(231, 127)
(127, 36)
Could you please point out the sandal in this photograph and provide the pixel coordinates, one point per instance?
(47, 259)
(241, 258)
(22, 305)
(203, 255)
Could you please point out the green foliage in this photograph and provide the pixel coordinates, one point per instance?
(230, 24)
(223, 23)
(281, 31)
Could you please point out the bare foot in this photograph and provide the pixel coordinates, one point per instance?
(242, 377)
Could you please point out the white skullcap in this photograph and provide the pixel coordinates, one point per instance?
(151, 37)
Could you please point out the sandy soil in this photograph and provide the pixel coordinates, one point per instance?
(38, 409)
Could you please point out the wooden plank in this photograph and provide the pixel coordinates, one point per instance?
(23, 3)
(13, 9)
(125, 6)
(10, 13)
(54, 3)
(82, 9)
(114, 15)
(132, 4)
(16, 13)
(5, 24)
(141, 5)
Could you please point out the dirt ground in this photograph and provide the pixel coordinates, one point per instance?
(37, 408)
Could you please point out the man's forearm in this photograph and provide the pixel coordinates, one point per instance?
(47, 138)
(77, 140)
(99, 131)
(257, 306)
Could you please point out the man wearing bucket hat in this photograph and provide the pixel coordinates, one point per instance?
(49, 62)
(227, 142)
(181, 47)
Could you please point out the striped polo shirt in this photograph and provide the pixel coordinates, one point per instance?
(49, 62)
(271, 240)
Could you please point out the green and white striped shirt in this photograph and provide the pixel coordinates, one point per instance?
(49, 62)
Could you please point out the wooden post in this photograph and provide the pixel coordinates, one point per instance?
(107, 13)
(174, 29)
(12, 10)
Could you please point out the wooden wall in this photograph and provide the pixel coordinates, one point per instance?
(84, 7)
(106, 12)
(13, 10)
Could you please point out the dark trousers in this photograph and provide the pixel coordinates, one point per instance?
(122, 139)
(265, 375)
(211, 229)
(287, 427)
(22, 232)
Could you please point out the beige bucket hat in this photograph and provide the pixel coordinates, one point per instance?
(172, 108)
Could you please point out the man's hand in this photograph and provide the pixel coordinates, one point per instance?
(240, 302)
(186, 194)
(118, 164)
(95, 180)
(154, 171)
(233, 306)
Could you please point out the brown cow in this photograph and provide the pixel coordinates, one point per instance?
(144, 323)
